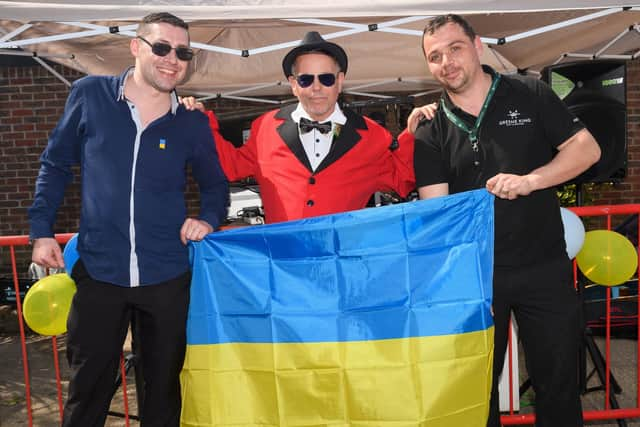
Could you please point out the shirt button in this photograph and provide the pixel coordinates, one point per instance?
(317, 140)
(317, 154)
(309, 202)
(476, 163)
(312, 180)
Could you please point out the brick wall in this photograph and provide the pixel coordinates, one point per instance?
(32, 100)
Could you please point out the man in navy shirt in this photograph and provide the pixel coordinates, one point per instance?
(133, 142)
(515, 138)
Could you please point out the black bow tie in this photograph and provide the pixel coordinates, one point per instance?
(307, 125)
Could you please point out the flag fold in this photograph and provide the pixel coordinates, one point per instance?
(377, 317)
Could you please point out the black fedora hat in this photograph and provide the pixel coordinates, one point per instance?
(313, 42)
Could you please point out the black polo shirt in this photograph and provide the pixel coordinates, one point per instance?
(524, 123)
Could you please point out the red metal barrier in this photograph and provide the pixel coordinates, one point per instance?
(11, 242)
(605, 413)
(510, 419)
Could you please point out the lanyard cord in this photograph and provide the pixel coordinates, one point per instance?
(473, 133)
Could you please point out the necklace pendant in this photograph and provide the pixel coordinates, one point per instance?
(473, 139)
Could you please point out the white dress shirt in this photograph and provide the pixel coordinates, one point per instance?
(316, 144)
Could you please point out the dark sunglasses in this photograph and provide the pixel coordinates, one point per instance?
(306, 80)
(163, 49)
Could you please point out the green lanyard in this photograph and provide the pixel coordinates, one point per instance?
(473, 133)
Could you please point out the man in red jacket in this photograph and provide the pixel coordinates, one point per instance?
(315, 158)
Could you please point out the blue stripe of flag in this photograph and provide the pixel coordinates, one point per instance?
(408, 270)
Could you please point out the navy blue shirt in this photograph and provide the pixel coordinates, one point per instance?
(133, 181)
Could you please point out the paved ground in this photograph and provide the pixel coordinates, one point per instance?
(44, 400)
(45, 404)
(623, 366)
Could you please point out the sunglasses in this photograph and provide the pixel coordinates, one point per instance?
(163, 49)
(326, 79)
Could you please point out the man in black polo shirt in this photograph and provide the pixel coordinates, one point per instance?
(516, 138)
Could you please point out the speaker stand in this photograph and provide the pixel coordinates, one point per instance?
(588, 345)
(599, 366)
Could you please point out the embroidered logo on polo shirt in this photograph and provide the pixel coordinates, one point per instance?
(514, 119)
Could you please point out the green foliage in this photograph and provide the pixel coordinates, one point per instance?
(568, 194)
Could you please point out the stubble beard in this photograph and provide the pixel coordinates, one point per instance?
(318, 111)
(155, 80)
(456, 87)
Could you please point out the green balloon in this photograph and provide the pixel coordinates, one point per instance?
(47, 303)
(607, 258)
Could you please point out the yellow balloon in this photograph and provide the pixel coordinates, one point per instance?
(607, 258)
(47, 303)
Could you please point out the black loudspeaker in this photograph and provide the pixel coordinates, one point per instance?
(595, 91)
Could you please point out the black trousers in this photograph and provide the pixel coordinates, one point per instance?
(548, 312)
(97, 326)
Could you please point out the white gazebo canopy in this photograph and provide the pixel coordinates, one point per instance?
(240, 44)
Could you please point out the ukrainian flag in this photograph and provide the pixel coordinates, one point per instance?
(378, 317)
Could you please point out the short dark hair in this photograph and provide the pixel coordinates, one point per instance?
(441, 20)
(160, 18)
(316, 51)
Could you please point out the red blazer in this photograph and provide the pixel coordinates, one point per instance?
(361, 161)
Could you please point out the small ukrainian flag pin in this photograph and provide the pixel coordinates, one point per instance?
(163, 144)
